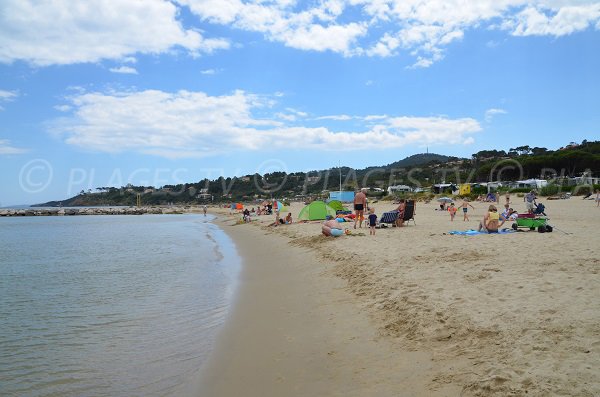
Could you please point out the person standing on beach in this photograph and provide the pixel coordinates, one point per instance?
(360, 203)
(507, 198)
(597, 198)
(530, 201)
(372, 221)
(204, 209)
(465, 208)
(452, 210)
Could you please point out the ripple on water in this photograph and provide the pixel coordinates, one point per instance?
(110, 305)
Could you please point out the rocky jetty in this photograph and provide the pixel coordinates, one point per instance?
(94, 211)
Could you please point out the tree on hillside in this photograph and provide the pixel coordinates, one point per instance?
(536, 151)
(483, 154)
(521, 150)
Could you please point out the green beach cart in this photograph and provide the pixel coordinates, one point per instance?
(533, 223)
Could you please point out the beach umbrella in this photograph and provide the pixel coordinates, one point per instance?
(445, 200)
(279, 206)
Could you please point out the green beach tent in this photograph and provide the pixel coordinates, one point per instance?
(317, 210)
(336, 205)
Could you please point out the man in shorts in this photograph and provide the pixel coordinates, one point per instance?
(360, 204)
(530, 201)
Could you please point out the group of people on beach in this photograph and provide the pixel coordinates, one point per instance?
(360, 204)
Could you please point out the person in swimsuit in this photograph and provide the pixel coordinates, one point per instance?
(401, 208)
(372, 221)
(465, 207)
(452, 210)
(360, 203)
(491, 221)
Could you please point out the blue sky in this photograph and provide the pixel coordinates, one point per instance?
(154, 92)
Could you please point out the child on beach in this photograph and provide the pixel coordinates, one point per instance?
(452, 210)
(465, 204)
(372, 221)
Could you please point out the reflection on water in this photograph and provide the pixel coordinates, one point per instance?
(110, 305)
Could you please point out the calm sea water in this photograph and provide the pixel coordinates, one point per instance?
(110, 305)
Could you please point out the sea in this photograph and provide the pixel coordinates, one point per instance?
(111, 305)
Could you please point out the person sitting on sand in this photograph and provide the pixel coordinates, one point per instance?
(401, 208)
(509, 215)
(246, 215)
(288, 218)
(491, 221)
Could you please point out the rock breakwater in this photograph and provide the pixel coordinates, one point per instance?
(94, 211)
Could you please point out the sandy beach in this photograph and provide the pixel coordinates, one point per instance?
(414, 311)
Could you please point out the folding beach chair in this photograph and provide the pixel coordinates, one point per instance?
(389, 217)
(409, 212)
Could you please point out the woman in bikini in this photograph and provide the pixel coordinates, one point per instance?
(491, 221)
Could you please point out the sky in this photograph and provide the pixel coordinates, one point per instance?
(104, 93)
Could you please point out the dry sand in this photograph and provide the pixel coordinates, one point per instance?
(413, 311)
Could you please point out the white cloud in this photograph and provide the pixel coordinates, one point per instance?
(208, 71)
(6, 148)
(124, 70)
(423, 28)
(47, 32)
(185, 123)
(490, 113)
(63, 108)
(340, 117)
(7, 95)
(569, 19)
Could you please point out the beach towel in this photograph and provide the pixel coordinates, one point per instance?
(475, 232)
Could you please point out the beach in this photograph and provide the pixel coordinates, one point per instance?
(413, 311)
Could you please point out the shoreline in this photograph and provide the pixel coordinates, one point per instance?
(295, 330)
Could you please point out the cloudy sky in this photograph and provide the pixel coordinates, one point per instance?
(109, 92)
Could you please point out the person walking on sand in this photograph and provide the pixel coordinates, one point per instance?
(360, 203)
(465, 208)
(597, 198)
(507, 198)
(452, 210)
(372, 221)
(204, 209)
